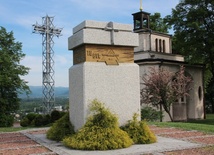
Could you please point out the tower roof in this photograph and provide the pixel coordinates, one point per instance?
(140, 13)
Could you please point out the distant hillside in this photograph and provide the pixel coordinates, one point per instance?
(37, 92)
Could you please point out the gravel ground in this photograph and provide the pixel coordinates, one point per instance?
(22, 143)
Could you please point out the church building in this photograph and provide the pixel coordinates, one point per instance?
(155, 50)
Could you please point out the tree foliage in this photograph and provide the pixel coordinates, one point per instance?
(193, 23)
(159, 24)
(162, 88)
(10, 72)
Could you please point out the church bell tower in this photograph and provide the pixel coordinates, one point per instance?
(141, 20)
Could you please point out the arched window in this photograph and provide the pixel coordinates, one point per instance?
(164, 47)
(160, 45)
(200, 92)
(156, 45)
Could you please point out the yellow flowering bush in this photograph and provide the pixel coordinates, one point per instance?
(101, 132)
(139, 131)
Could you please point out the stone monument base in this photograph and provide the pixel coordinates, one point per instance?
(115, 85)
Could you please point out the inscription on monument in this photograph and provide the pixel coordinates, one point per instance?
(111, 55)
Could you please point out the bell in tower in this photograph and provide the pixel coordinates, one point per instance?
(141, 20)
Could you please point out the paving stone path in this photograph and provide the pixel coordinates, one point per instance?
(191, 136)
(34, 142)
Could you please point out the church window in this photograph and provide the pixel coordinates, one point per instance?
(160, 45)
(137, 24)
(145, 23)
(199, 92)
(156, 45)
(183, 99)
(164, 47)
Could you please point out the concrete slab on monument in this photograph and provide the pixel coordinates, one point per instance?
(103, 69)
(116, 86)
(90, 24)
(102, 33)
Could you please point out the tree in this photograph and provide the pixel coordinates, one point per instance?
(10, 72)
(158, 24)
(163, 88)
(193, 23)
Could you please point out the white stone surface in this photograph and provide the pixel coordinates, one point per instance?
(92, 32)
(157, 55)
(90, 24)
(144, 43)
(116, 86)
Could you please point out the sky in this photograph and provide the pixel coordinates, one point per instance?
(19, 16)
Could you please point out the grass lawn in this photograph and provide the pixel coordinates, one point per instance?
(12, 129)
(206, 125)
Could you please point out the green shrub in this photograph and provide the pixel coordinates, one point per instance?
(101, 132)
(31, 116)
(150, 114)
(60, 129)
(25, 122)
(38, 120)
(6, 120)
(28, 120)
(55, 115)
(41, 120)
(46, 119)
(33, 119)
(139, 131)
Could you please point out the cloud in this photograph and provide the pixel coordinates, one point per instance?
(34, 77)
(62, 59)
(61, 67)
(33, 62)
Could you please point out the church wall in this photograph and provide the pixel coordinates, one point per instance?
(194, 107)
(165, 41)
(143, 42)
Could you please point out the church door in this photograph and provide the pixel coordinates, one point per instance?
(179, 110)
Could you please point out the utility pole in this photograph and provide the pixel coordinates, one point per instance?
(48, 31)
